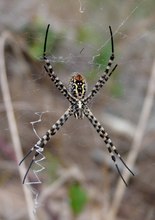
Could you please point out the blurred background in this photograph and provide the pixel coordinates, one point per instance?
(79, 180)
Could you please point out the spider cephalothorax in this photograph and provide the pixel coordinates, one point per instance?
(75, 94)
(77, 86)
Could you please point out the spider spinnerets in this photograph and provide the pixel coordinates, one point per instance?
(78, 107)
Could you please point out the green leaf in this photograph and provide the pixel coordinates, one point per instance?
(36, 37)
(102, 58)
(78, 198)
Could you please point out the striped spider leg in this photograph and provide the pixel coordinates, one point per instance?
(39, 146)
(54, 78)
(109, 144)
(106, 75)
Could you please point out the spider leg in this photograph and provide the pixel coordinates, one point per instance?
(103, 79)
(39, 146)
(110, 146)
(29, 167)
(106, 75)
(49, 69)
(31, 150)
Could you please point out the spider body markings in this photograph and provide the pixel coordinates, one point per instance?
(77, 88)
(75, 94)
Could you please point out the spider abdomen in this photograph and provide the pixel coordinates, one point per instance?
(77, 86)
(78, 111)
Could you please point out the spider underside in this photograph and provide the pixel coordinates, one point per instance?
(78, 107)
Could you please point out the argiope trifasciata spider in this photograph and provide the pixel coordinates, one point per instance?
(78, 107)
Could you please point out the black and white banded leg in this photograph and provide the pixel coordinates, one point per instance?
(49, 69)
(106, 75)
(103, 79)
(39, 146)
(109, 144)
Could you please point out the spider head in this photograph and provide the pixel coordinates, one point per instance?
(77, 86)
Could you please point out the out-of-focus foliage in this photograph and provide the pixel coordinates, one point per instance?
(85, 34)
(116, 89)
(36, 37)
(101, 60)
(52, 165)
(78, 198)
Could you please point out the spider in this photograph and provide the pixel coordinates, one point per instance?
(78, 107)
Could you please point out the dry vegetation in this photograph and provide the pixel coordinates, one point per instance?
(77, 166)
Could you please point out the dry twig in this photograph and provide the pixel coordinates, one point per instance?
(6, 38)
(136, 145)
